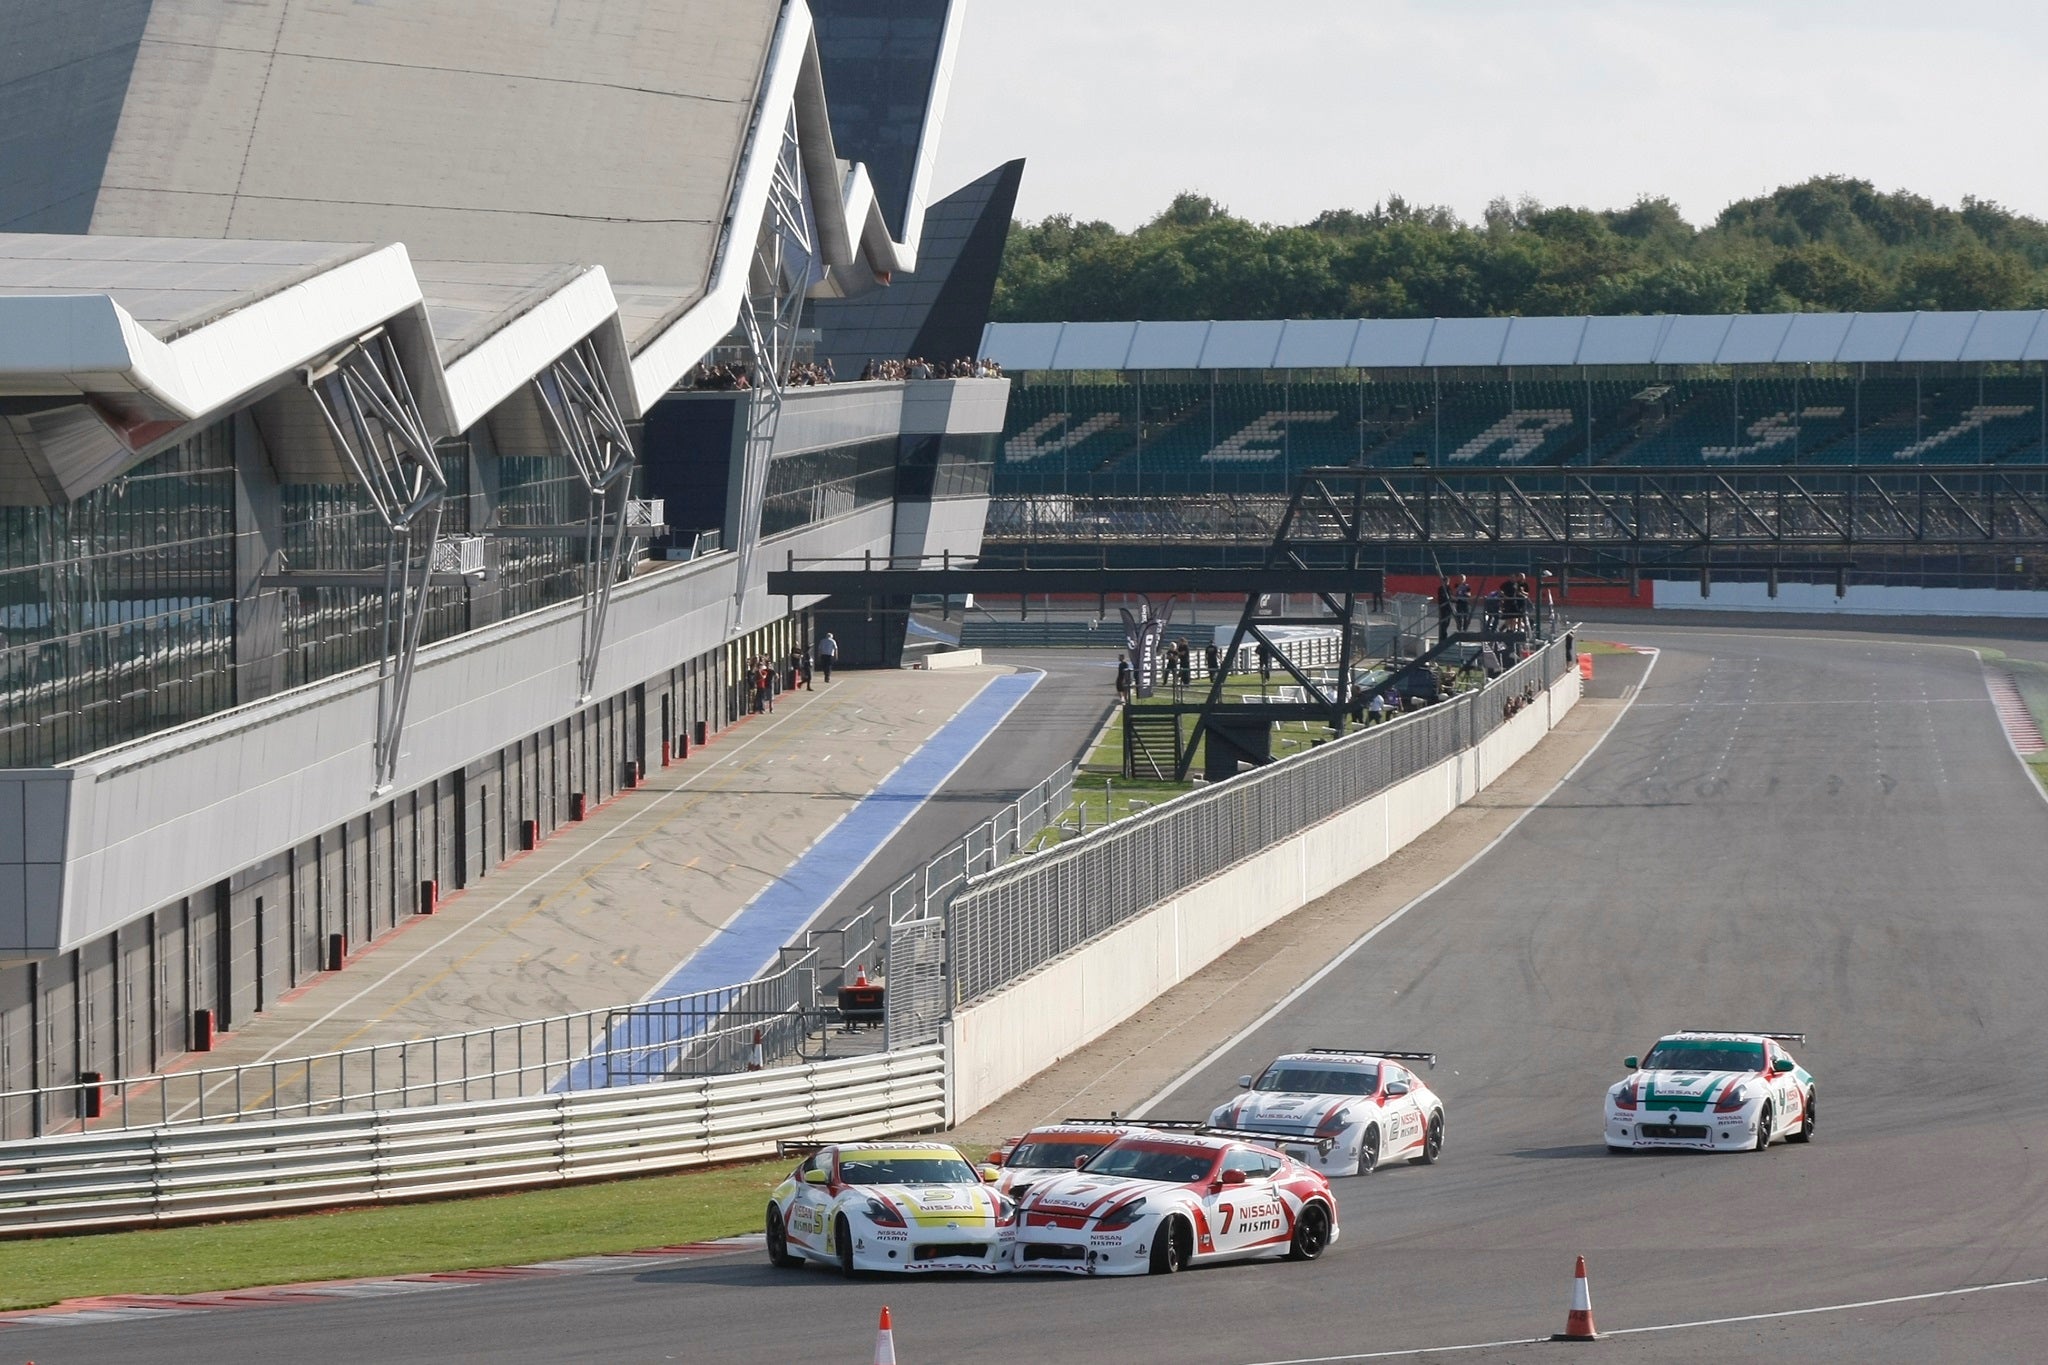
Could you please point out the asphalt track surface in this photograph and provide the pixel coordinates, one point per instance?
(1827, 834)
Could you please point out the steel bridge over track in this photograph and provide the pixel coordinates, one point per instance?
(1613, 514)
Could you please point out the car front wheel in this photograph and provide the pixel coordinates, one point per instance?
(1763, 1127)
(1369, 1151)
(778, 1242)
(843, 1235)
(1171, 1247)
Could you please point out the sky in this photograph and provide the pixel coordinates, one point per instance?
(1280, 109)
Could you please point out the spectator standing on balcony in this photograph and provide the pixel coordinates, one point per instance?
(1265, 662)
(1123, 680)
(1214, 658)
(1375, 709)
(1461, 598)
(1187, 661)
(828, 655)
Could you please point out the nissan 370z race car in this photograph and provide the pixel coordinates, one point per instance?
(1342, 1111)
(1712, 1092)
(904, 1206)
(1053, 1149)
(1158, 1200)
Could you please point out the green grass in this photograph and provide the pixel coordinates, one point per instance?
(1604, 647)
(508, 1229)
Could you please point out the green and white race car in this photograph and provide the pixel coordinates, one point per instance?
(1713, 1092)
(896, 1206)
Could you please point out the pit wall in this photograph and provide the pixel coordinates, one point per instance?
(1002, 1041)
(1862, 599)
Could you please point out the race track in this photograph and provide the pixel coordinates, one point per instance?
(1825, 834)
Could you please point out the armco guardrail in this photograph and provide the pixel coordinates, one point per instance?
(1028, 912)
(163, 1175)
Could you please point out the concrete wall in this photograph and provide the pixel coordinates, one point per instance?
(1861, 600)
(1003, 1041)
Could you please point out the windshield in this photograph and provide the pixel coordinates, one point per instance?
(1176, 1165)
(1056, 1153)
(905, 1170)
(1704, 1055)
(1320, 1080)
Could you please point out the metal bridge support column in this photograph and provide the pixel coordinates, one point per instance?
(584, 416)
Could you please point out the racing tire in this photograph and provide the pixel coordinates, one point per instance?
(1311, 1232)
(1764, 1129)
(1807, 1123)
(1171, 1248)
(1369, 1151)
(842, 1237)
(778, 1242)
(1433, 1143)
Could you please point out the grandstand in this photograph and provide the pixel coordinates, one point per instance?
(1180, 409)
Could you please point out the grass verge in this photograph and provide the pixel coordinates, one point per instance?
(2031, 679)
(507, 1229)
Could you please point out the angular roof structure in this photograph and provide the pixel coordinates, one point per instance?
(239, 190)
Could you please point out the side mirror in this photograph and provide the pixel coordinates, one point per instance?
(1244, 1082)
(989, 1175)
(1632, 1063)
(1396, 1089)
(1079, 1162)
(1233, 1176)
(1784, 1065)
(817, 1177)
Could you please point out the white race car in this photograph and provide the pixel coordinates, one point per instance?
(1712, 1092)
(1351, 1109)
(1167, 1196)
(903, 1206)
(1053, 1149)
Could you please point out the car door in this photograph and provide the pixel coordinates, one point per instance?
(1244, 1217)
(1785, 1096)
(805, 1222)
(1401, 1112)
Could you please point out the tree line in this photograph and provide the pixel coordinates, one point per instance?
(1831, 244)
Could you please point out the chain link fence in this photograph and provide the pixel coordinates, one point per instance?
(1016, 918)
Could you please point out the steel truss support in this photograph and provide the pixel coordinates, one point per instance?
(784, 258)
(376, 423)
(584, 415)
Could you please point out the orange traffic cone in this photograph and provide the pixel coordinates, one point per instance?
(1578, 1325)
(885, 1341)
(860, 976)
(754, 1059)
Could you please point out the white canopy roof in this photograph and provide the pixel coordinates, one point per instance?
(1419, 343)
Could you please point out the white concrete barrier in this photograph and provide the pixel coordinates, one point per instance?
(1862, 599)
(1002, 1041)
(953, 658)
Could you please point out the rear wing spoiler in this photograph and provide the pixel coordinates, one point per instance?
(1260, 1135)
(1754, 1033)
(1389, 1053)
(787, 1148)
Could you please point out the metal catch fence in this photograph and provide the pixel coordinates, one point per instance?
(1015, 919)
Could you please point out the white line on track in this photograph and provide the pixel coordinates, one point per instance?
(1676, 1326)
(1369, 935)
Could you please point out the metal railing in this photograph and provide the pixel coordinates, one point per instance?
(136, 1178)
(1016, 918)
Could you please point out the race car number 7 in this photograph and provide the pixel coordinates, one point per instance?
(1228, 1212)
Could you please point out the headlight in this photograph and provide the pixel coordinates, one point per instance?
(1336, 1123)
(1123, 1215)
(883, 1215)
(1625, 1095)
(1732, 1099)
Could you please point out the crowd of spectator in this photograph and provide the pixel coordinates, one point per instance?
(734, 375)
(917, 367)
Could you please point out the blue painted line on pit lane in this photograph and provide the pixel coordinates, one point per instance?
(750, 941)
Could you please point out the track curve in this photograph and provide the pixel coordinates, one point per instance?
(1827, 834)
